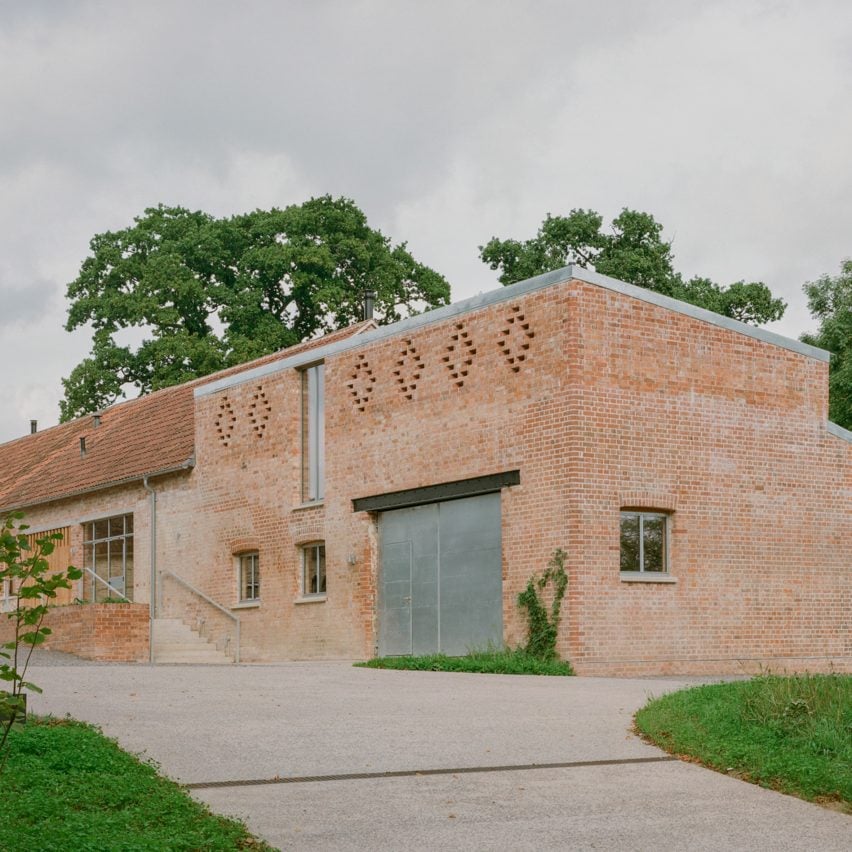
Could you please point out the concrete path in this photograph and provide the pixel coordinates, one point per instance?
(211, 725)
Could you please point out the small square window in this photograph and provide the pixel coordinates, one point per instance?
(313, 569)
(249, 570)
(644, 542)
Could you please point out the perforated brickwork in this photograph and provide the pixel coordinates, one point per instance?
(460, 352)
(409, 369)
(226, 420)
(259, 411)
(361, 382)
(515, 338)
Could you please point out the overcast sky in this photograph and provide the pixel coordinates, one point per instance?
(447, 122)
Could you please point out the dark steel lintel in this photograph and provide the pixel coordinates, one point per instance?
(436, 493)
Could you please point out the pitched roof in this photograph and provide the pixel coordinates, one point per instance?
(148, 435)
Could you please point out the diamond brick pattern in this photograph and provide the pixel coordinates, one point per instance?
(409, 369)
(515, 337)
(459, 353)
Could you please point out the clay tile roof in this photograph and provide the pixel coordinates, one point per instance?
(145, 435)
(148, 435)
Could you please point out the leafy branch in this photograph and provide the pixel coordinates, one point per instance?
(25, 570)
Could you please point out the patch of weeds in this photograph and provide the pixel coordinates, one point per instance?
(491, 661)
(792, 734)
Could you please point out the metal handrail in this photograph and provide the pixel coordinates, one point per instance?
(110, 587)
(212, 603)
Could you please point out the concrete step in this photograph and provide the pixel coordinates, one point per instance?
(188, 651)
(216, 660)
(176, 642)
(167, 626)
(172, 635)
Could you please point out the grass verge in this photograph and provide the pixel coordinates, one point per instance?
(792, 734)
(505, 661)
(66, 786)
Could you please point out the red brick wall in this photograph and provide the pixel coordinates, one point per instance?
(616, 402)
(88, 626)
(108, 632)
(438, 427)
(730, 433)
(602, 401)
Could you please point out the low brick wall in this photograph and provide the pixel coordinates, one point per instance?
(117, 633)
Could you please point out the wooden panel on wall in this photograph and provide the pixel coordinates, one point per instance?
(59, 560)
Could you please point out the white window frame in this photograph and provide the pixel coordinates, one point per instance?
(253, 557)
(8, 601)
(303, 561)
(643, 575)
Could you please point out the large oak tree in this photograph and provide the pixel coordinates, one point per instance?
(180, 294)
(632, 249)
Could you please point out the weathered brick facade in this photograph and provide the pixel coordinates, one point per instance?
(603, 397)
(114, 633)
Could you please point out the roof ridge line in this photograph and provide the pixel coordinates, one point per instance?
(504, 294)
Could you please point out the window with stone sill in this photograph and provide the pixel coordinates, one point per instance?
(249, 577)
(644, 543)
(313, 569)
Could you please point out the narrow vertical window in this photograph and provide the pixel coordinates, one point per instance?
(313, 432)
(313, 569)
(249, 577)
(7, 599)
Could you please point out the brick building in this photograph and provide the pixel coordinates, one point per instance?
(392, 489)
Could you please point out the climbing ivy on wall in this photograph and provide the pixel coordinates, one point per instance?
(543, 625)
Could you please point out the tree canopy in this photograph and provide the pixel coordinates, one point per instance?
(208, 292)
(830, 301)
(633, 249)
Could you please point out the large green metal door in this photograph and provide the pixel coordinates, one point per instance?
(440, 583)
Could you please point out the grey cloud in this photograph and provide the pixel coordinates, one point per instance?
(447, 122)
(362, 94)
(22, 304)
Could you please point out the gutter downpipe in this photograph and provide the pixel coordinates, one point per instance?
(152, 607)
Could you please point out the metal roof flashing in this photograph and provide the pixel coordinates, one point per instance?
(839, 431)
(505, 294)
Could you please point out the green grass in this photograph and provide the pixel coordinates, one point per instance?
(506, 661)
(66, 786)
(793, 734)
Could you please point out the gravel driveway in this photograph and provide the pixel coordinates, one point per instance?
(327, 756)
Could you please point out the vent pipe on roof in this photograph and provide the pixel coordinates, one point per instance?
(33, 427)
(83, 447)
(96, 420)
(369, 303)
